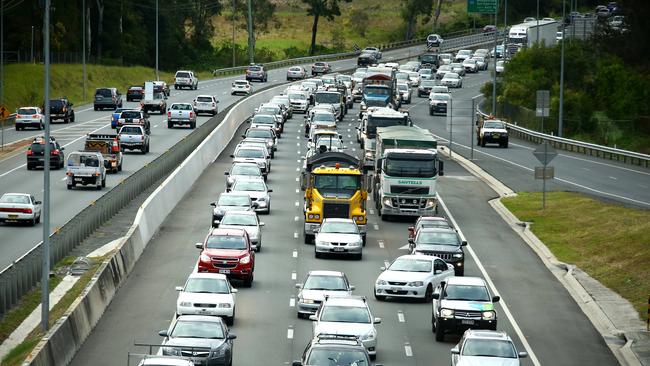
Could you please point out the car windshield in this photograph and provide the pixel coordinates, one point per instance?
(345, 314)
(445, 68)
(466, 293)
(27, 111)
(181, 107)
(233, 200)
(428, 58)
(182, 74)
(336, 183)
(207, 285)
(339, 227)
(329, 283)
(359, 75)
(197, 329)
(130, 130)
(411, 265)
(452, 76)
(130, 114)
(465, 52)
(158, 96)
(336, 357)
(263, 119)
(440, 89)
(344, 78)
(402, 87)
(489, 348)
(425, 71)
(441, 97)
(259, 133)
(469, 61)
(428, 83)
(204, 99)
(15, 198)
(254, 68)
(269, 110)
(433, 223)
(327, 97)
(296, 69)
(249, 185)
(437, 238)
(249, 153)
(226, 242)
(323, 117)
(40, 147)
(239, 219)
(495, 125)
(500, 63)
(320, 63)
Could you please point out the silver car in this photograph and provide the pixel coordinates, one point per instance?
(296, 73)
(458, 68)
(238, 170)
(339, 236)
(29, 117)
(486, 347)
(452, 80)
(257, 190)
(253, 154)
(246, 220)
(205, 338)
(317, 285)
(230, 202)
(20, 207)
(268, 134)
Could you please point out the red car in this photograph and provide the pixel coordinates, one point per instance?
(229, 252)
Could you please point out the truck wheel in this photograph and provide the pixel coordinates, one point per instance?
(72, 118)
(104, 182)
(309, 239)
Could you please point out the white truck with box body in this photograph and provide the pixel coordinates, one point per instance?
(524, 35)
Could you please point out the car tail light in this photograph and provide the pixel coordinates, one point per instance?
(69, 174)
(55, 152)
(141, 137)
(30, 152)
(169, 114)
(65, 109)
(97, 174)
(115, 148)
(33, 116)
(19, 116)
(191, 114)
(27, 210)
(141, 104)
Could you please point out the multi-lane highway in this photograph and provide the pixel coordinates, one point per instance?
(535, 309)
(14, 176)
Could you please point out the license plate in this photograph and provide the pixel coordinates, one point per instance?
(339, 249)
(467, 322)
(224, 271)
(78, 179)
(495, 135)
(13, 216)
(396, 289)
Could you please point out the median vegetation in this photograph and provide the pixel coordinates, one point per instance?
(607, 241)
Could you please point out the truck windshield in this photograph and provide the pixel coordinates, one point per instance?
(376, 90)
(336, 182)
(327, 98)
(405, 167)
(374, 122)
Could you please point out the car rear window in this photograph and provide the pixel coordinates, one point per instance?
(182, 74)
(181, 107)
(138, 88)
(242, 83)
(319, 64)
(27, 111)
(130, 114)
(56, 103)
(104, 92)
(85, 159)
(38, 148)
(131, 130)
(204, 99)
(254, 68)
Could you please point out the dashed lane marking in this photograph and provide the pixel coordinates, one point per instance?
(408, 350)
(380, 243)
(295, 235)
(295, 253)
(295, 218)
(297, 203)
(400, 316)
(292, 302)
(375, 226)
(294, 275)
(290, 333)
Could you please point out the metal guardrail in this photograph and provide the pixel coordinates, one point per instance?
(605, 152)
(25, 273)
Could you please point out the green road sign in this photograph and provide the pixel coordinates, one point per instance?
(482, 6)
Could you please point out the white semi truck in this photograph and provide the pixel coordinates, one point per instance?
(525, 35)
(406, 172)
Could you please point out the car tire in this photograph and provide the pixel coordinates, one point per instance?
(440, 333)
(309, 238)
(230, 320)
(482, 142)
(104, 182)
(170, 125)
(32, 222)
(248, 282)
(119, 167)
(359, 256)
(505, 145)
(18, 128)
(431, 111)
(459, 272)
(317, 254)
(428, 294)
(38, 219)
(29, 167)
(380, 297)
(363, 240)
(69, 186)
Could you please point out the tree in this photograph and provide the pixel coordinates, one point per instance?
(328, 9)
(360, 20)
(410, 12)
(263, 15)
(436, 14)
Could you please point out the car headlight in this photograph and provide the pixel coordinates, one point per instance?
(387, 202)
(205, 258)
(358, 218)
(225, 305)
(488, 315)
(431, 202)
(307, 301)
(261, 202)
(185, 304)
(415, 284)
(321, 242)
(356, 244)
(458, 255)
(447, 313)
(171, 351)
(245, 260)
(382, 282)
(231, 180)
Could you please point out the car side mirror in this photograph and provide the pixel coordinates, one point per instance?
(435, 296)
(411, 229)
(382, 268)
(377, 321)
(437, 271)
(198, 245)
(496, 298)
(523, 354)
(243, 136)
(162, 333)
(262, 224)
(463, 243)
(232, 155)
(352, 287)
(299, 286)
(313, 317)
(226, 173)
(179, 288)
(38, 202)
(231, 336)
(269, 190)
(62, 148)
(441, 168)
(455, 351)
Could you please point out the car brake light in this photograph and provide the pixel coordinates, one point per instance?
(115, 148)
(191, 114)
(55, 152)
(33, 116)
(169, 114)
(65, 109)
(19, 116)
(30, 152)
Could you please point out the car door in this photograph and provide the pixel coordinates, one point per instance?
(441, 271)
(436, 302)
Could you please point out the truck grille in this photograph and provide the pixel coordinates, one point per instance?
(336, 210)
(224, 262)
(410, 190)
(409, 203)
(467, 314)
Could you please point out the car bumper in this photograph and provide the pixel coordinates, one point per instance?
(236, 91)
(28, 122)
(40, 161)
(92, 180)
(307, 309)
(500, 138)
(458, 326)
(54, 116)
(331, 249)
(396, 211)
(132, 145)
(190, 310)
(178, 121)
(300, 107)
(206, 109)
(18, 216)
(401, 291)
(438, 109)
(238, 272)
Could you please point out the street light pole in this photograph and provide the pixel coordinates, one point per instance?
(233, 32)
(31, 55)
(560, 121)
(537, 18)
(494, 80)
(251, 54)
(45, 255)
(2, 50)
(157, 73)
(83, 39)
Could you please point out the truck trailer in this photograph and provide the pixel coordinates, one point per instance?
(524, 35)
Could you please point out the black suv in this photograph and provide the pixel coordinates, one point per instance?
(444, 243)
(334, 349)
(61, 109)
(36, 152)
(256, 72)
(107, 98)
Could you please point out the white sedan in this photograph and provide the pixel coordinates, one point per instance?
(241, 87)
(338, 236)
(29, 117)
(20, 207)
(412, 276)
(207, 294)
(452, 80)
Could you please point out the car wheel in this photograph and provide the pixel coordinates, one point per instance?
(505, 145)
(482, 142)
(193, 125)
(104, 182)
(230, 320)
(317, 254)
(380, 297)
(373, 357)
(38, 219)
(440, 333)
(428, 294)
(32, 222)
(248, 282)
(170, 125)
(459, 272)
(29, 167)
(18, 128)
(69, 186)
(358, 256)
(431, 111)
(363, 240)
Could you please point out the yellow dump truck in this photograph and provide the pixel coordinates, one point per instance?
(335, 187)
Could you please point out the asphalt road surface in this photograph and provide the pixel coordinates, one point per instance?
(535, 309)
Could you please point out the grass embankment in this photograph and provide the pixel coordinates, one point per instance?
(608, 241)
(30, 301)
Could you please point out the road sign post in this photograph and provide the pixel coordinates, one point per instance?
(543, 107)
(544, 153)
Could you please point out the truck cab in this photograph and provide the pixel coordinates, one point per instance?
(380, 117)
(86, 168)
(491, 130)
(379, 89)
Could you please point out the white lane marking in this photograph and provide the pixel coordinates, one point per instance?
(488, 279)
(614, 178)
(154, 126)
(294, 275)
(298, 152)
(292, 302)
(64, 178)
(386, 264)
(297, 169)
(586, 169)
(400, 316)
(372, 212)
(297, 190)
(297, 180)
(643, 186)
(297, 203)
(380, 243)
(295, 253)
(353, 149)
(556, 178)
(299, 161)
(295, 218)
(297, 143)
(295, 235)
(375, 226)
(408, 350)
(297, 137)
(290, 333)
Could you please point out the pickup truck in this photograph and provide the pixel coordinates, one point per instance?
(133, 137)
(158, 103)
(134, 116)
(61, 109)
(185, 79)
(86, 168)
(109, 146)
(181, 114)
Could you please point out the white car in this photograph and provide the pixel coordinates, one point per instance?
(412, 276)
(246, 220)
(339, 236)
(257, 190)
(299, 100)
(414, 77)
(29, 117)
(486, 347)
(253, 154)
(241, 87)
(439, 89)
(296, 73)
(20, 207)
(317, 285)
(207, 294)
(166, 361)
(471, 65)
(493, 131)
(426, 74)
(445, 58)
(348, 315)
(462, 55)
(206, 104)
(481, 62)
(238, 170)
(405, 92)
(500, 67)
(452, 80)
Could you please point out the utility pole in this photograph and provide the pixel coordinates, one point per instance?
(251, 51)
(83, 39)
(31, 55)
(560, 122)
(505, 29)
(45, 254)
(234, 12)
(2, 51)
(537, 18)
(494, 79)
(157, 73)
